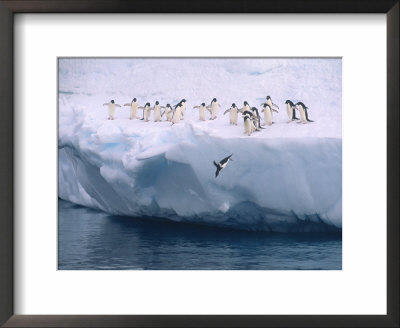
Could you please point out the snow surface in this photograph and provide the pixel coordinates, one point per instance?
(287, 177)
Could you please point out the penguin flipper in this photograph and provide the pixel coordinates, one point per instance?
(216, 173)
(227, 111)
(216, 165)
(225, 159)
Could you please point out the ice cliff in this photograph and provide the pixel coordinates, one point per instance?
(285, 178)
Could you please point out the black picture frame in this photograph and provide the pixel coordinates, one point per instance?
(10, 7)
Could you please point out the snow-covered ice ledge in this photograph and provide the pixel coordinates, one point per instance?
(152, 169)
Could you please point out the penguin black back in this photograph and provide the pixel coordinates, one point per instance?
(302, 105)
(291, 104)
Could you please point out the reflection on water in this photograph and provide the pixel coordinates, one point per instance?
(92, 240)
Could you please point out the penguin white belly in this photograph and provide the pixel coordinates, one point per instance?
(177, 116)
(170, 114)
(157, 114)
(147, 114)
(302, 115)
(214, 111)
(111, 111)
(233, 116)
(247, 127)
(134, 107)
(202, 113)
(268, 116)
(289, 111)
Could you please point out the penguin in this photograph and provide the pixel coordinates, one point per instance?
(183, 107)
(111, 109)
(169, 112)
(291, 110)
(267, 114)
(146, 112)
(246, 107)
(177, 114)
(303, 113)
(157, 112)
(233, 114)
(213, 108)
(134, 106)
(247, 125)
(202, 111)
(222, 164)
(271, 104)
(256, 119)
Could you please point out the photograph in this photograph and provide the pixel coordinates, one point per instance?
(199, 163)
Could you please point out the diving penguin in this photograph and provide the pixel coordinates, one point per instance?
(222, 164)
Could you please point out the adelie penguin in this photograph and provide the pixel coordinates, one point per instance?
(111, 109)
(134, 106)
(213, 108)
(169, 113)
(267, 114)
(248, 124)
(222, 164)
(183, 107)
(291, 110)
(256, 119)
(249, 121)
(303, 113)
(246, 107)
(202, 111)
(177, 114)
(157, 112)
(146, 112)
(271, 104)
(233, 114)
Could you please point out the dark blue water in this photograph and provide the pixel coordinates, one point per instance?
(92, 240)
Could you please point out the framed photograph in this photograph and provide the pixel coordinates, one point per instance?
(219, 165)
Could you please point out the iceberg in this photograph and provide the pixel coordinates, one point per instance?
(285, 178)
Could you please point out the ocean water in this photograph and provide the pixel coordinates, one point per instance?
(93, 240)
